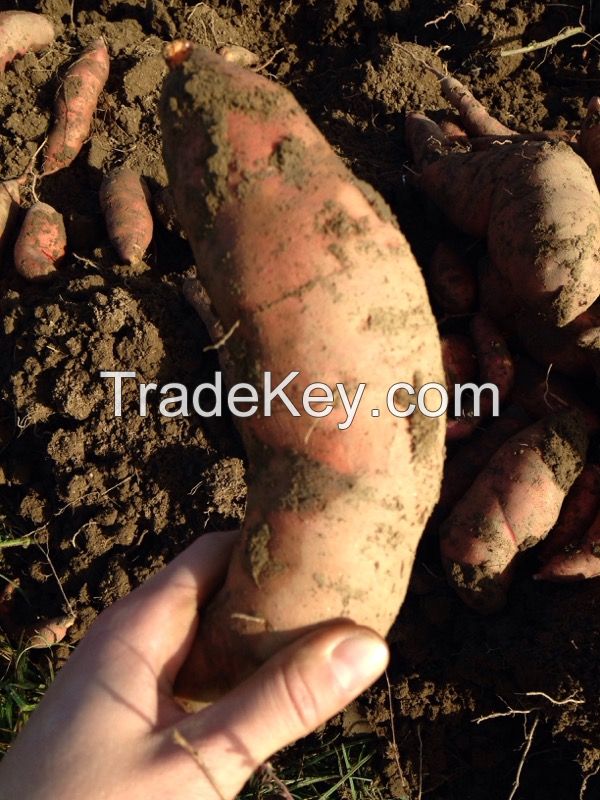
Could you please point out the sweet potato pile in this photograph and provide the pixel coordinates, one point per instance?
(531, 288)
(40, 242)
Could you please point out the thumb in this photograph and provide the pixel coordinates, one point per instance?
(293, 693)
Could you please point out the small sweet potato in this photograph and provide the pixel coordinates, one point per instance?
(579, 510)
(451, 280)
(239, 55)
(41, 243)
(580, 561)
(460, 362)
(495, 367)
(124, 199)
(75, 105)
(511, 506)
(9, 209)
(46, 634)
(22, 31)
(474, 117)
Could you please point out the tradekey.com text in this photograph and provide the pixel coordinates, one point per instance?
(315, 399)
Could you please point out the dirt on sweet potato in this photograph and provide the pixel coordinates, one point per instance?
(114, 498)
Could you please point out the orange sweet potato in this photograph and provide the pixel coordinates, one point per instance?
(293, 252)
(124, 199)
(461, 470)
(41, 243)
(22, 31)
(511, 506)
(535, 202)
(75, 105)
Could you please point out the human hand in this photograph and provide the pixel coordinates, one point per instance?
(109, 727)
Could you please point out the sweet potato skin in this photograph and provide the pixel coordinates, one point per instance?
(535, 202)
(499, 517)
(273, 193)
(463, 468)
(75, 105)
(41, 243)
(124, 199)
(495, 367)
(22, 31)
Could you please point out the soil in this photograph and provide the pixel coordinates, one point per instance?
(111, 499)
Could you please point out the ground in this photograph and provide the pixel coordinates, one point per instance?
(92, 504)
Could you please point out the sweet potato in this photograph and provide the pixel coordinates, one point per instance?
(41, 243)
(9, 208)
(47, 634)
(459, 360)
(461, 470)
(511, 506)
(238, 55)
(535, 202)
(22, 31)
(293, 252)
(581, 506)
(451, 280)
(75, 105)
(495, 367)
(579, 562)
(124, 199)
(475, 118)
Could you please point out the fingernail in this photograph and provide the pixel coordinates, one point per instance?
(358, 660)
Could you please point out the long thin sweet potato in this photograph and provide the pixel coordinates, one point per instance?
(511, 506)
(41, 243)
(535, 202)
(75, 105)
(294, 252)
(21, 32)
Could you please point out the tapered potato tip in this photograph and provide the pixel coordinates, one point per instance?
(175, 53)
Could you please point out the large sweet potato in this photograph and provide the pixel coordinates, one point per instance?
(308, 271)
(535, 202)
